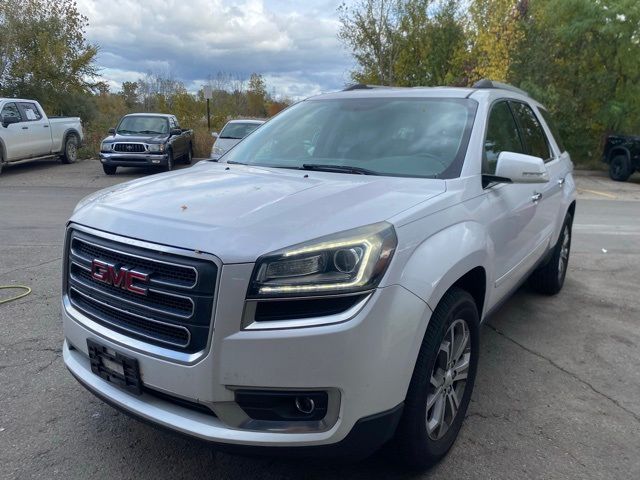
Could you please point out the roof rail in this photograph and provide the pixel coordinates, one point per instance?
(486, 83)
(363, 86)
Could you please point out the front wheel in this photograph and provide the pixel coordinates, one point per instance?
(188, 158)
(1, 161)
(620, 168)
(70, 152)
(549, 278)
(109, 169)
(169, 166)
(442, 382)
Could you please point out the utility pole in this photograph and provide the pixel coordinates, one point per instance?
(208, 93)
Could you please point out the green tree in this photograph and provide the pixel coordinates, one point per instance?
(371, 30)
(580, 58)
(432, 45)
(257, 96)
(44, 53)
(129, 93)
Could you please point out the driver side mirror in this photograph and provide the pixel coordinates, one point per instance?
(175, 131)
(112, 131)
(215, 134)
(6, 121)
(521, 168)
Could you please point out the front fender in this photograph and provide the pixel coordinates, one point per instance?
(442, 259)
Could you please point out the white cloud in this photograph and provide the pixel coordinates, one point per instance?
(294, 44)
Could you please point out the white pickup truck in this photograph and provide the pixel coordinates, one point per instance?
(26, 133)
(319, 290)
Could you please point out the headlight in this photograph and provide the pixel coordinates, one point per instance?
(346, 262)
(156, 147)
(217, 150)
(106, 147)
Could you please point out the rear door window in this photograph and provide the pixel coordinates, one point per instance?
(502, 136)
(533, 136)
(30, 112)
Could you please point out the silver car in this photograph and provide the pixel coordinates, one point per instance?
(231, 134)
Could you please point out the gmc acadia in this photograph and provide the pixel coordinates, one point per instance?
(321, 288)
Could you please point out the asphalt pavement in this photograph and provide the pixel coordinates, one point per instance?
(557, 394)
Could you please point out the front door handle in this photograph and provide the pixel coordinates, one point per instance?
(25, 128)
(535, 198)
(46, 126)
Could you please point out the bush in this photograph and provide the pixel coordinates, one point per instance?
(202, 142)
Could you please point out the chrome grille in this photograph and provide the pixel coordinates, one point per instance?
(129, 147)
(174, 313)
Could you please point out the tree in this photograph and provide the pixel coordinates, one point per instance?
(129, 93)
(371, 30)
(256, 96)
(580, 58)
(496, 27)
(44, 53)
(433, 44)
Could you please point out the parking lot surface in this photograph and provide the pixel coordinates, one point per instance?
(557, 394)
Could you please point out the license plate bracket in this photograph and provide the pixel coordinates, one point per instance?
(115, 367)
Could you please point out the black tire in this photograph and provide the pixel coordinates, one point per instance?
(170, 161)
(189, 156)
(413, 442)
(1, 161)
(548, 279)
(70, 152)
(620, 168)
(109, 169)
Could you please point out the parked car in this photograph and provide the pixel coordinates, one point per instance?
(26, 133)
(320, 290)
(146, 140)
(622, 154)
(231, 134)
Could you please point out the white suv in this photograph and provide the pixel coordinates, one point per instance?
(321, 288)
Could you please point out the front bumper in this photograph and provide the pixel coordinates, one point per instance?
(134, 159)
(368, 360)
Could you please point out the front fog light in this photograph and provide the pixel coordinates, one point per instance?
(351, 261)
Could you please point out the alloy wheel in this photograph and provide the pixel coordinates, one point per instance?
(448, 379)
(564, 252)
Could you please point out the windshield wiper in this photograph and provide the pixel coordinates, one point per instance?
(150, 132)
(233, 138)
(338, 168)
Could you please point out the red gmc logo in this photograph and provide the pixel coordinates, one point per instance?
(117, 276)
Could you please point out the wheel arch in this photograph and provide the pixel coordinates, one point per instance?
(456, 256)
(618, 150)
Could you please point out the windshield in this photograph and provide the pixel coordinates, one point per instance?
(417, 137)
(238, 130)
(143, 125)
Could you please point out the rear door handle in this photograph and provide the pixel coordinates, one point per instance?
(25, 128)
(46, 126)
(536, 197)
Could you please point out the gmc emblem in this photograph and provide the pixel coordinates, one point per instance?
(117, 276)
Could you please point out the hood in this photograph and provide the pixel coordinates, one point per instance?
(136, 138)
(226, 143)
(239, 212)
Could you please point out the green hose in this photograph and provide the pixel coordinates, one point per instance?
(26, 292)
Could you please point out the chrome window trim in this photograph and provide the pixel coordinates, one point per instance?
(128, 342)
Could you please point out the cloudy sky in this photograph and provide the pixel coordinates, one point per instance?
(292, 43)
